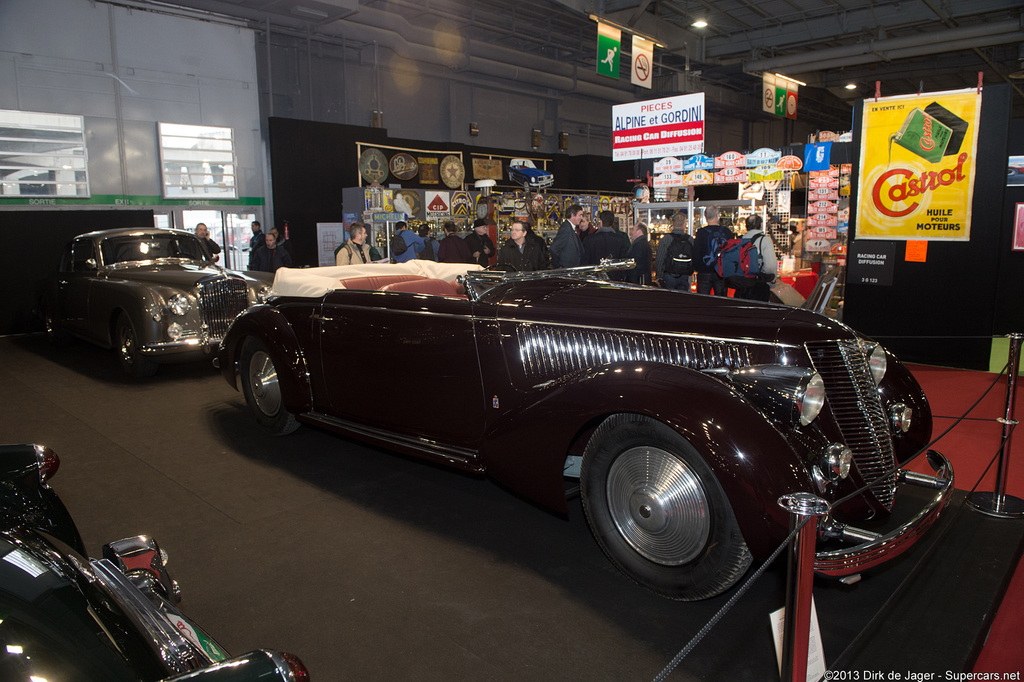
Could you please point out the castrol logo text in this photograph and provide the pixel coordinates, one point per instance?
(902, 186)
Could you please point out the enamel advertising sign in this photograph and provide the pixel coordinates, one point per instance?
(917, 166)
(657, 128)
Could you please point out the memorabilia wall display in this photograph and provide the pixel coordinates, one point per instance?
(373, 165)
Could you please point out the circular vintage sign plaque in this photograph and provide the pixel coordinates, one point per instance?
(453, 173)
(373, 165)
(404, 166)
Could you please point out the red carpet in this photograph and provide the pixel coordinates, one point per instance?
(970, 446)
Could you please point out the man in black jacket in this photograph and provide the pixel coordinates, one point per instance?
(519, 254)
(479, 242)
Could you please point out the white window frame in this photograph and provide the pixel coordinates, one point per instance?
(197, 162)
(43, 154)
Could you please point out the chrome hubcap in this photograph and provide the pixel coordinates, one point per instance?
(263, 381)
(658, 505)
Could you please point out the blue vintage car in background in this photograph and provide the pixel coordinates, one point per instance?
(524, 172)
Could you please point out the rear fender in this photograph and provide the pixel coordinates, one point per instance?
(525, 450)
(272, 328)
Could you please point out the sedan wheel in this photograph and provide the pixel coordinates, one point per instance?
(132, 361)
(262, 389)
(658, 512)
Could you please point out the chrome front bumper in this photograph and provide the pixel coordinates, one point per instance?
(872, 549)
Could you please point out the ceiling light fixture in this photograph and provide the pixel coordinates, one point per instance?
(309, 12)
(851, 86)
(700, 23)
(627, 29)
(791, 80)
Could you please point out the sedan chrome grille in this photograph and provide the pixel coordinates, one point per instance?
(853, 398)
(220, 302)
(549, 352)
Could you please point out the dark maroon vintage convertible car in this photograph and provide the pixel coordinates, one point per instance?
(684, 417)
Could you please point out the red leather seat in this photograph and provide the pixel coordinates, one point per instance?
(377, 281)
(434, 287)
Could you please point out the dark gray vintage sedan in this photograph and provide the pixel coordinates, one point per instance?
(65, 616)
(681, 419)
(152, 294)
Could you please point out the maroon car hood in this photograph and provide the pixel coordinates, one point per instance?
(610, 305)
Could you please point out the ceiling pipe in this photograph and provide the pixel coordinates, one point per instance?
(907, 53)
(935, 42)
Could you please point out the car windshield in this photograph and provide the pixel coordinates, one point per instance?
(477, 282)
(148, 247)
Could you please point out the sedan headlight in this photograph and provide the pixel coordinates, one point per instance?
(179, 304)
(877, 363)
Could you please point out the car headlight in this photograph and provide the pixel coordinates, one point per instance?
(788, 395)
(179, 304)
(877, 363)
(900, 416)
(811, 399)
(834, 462)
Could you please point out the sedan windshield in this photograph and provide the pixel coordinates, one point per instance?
(147, 247)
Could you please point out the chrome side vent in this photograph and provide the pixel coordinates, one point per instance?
(853, 398)
(549, 352)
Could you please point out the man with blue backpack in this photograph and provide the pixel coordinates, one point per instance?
(748, 265)
(708, 241)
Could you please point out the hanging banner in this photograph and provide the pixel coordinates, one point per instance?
(609, 41)
(656, 128)
(643, 62)
(917, 166)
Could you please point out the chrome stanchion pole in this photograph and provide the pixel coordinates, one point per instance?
(799, 582)
(998, 503)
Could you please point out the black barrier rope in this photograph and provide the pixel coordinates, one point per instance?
(678, 658)
(912, 574)
(685, 651)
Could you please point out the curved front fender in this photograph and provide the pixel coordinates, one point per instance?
(271, 327)
(525, 449)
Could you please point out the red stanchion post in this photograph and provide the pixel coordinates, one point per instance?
(799, 582)
(998, 503)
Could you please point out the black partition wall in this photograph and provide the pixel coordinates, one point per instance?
(945, 311)
(32, 244)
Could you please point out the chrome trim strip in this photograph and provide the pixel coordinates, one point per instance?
(178, 654)
(850, 560)
(463, 457)
(167, 346)
(570, 325)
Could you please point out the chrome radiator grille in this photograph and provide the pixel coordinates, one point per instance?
(220, 302)
(853, 398)
(549, 352)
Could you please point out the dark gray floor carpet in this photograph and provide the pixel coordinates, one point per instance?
(368, 565)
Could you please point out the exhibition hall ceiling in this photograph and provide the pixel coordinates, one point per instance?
(906, 45)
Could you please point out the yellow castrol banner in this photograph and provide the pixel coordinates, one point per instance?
(917, 166)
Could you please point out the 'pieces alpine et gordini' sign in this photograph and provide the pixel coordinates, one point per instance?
(659, 127)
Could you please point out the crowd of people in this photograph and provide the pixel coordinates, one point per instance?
(679, 259)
